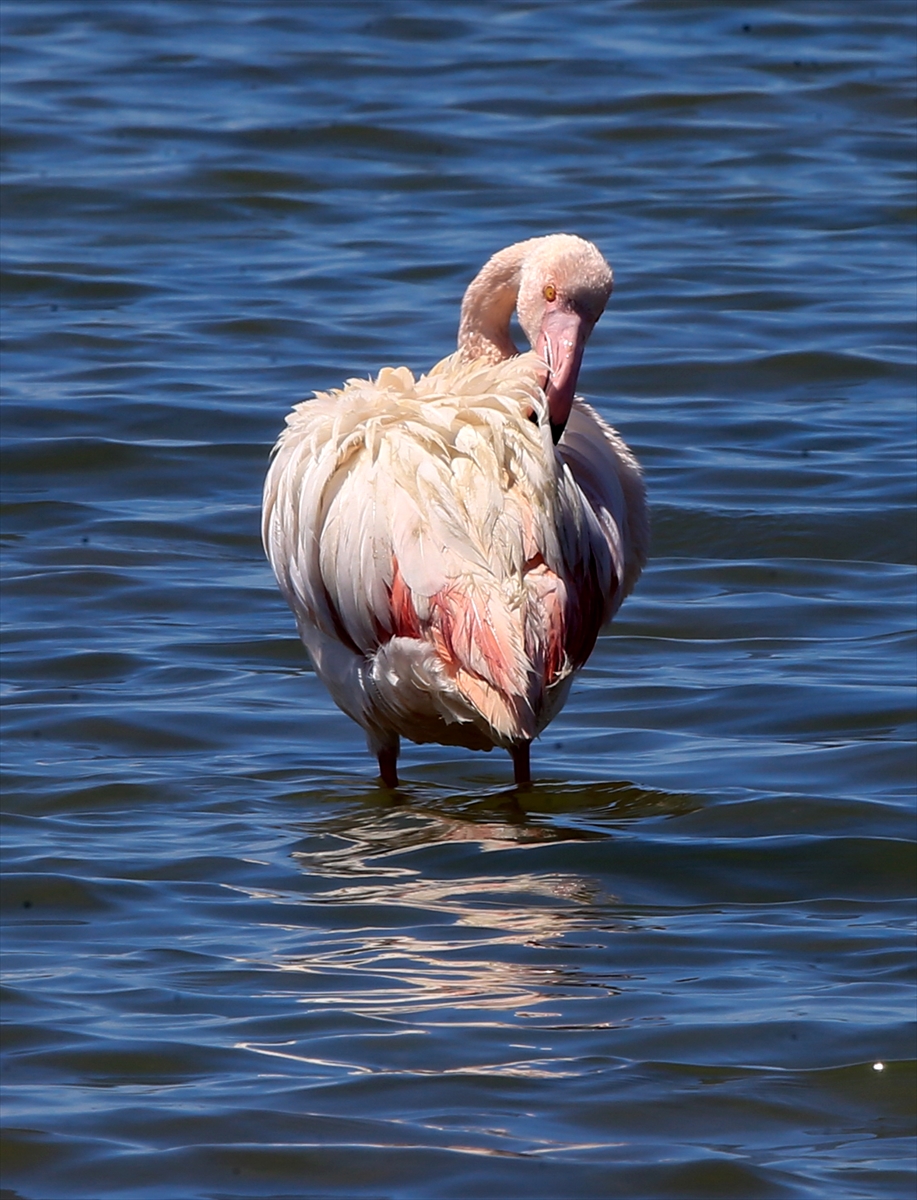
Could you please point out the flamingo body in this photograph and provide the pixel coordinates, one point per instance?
(449, 567)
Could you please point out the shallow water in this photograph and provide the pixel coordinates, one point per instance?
(233, 965)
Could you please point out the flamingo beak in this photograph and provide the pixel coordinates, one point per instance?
(560, 344)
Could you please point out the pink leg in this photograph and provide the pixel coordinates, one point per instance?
(388, 766)
(521, 769)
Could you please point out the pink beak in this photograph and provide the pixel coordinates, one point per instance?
(560, 343)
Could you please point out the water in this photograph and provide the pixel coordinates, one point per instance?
(233, 965)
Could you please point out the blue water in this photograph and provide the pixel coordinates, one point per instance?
(682, 964)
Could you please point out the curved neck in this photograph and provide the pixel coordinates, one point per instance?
(488, 306)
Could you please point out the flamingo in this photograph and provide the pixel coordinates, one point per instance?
(452, 544)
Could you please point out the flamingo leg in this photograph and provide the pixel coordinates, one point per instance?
(388, 766)
(521, 768)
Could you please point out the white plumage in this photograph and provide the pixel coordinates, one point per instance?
(448, 565)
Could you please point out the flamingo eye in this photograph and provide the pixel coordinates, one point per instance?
(550, 292)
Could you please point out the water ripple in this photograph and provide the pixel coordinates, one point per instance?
(682, 964)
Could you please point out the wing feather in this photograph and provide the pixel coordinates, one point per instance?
(433, 510)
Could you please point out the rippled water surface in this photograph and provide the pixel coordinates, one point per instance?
(682, 964)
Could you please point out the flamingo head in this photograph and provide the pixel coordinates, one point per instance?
(564, 285)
